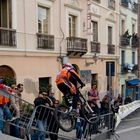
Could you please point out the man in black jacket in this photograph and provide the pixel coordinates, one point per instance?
(41, 104)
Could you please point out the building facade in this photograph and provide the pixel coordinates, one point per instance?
(128, 46)
(36, 37)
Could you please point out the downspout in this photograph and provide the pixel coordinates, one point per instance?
(63, 35)
(24, 15)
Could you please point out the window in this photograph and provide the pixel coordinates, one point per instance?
(72, 25)
(44, 84)
(133, 28)
(122, 57)
(43, 19)
(95, 31)
(123, 27)
(6, 13)
(109, 35)
(133, 57)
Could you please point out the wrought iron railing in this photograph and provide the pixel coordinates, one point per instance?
(97, 1)
(124, 41)
(134, 41)
(45, 41)
(76, 44)
(124, 3)
(111, 49)
(111, 4)
(135, 7)
(95, 47)
(7, 37)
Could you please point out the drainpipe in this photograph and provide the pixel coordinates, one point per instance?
(24, 15)
(63, 35)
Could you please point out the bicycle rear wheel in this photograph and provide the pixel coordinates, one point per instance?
(65, 121)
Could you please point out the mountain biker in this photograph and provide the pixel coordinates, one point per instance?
(68, 86)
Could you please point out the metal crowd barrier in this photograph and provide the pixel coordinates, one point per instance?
(27, 123)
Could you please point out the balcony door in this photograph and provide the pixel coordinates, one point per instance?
(6, 13)
(95, 31)
(72, 26)
(43, 19)
(110, 35)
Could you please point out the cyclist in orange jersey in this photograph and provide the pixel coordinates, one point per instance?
(65, 85)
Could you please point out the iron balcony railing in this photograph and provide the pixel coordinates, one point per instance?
(135, 41)
(111, 49)
(76, 45)
(111, 4)
(135, 7)
(7, 37)
(97, 1)
(124, 41)
(95, 47)
(45, 41)
(124, 3)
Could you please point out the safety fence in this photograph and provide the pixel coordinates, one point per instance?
(40, 120)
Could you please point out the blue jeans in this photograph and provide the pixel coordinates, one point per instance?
(40, 135)
(79, 130)
(1, 117)
(7, 113)
(4, 113)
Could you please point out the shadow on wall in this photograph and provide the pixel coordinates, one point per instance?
(30, 86)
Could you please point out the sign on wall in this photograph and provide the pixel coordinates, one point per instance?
(85, 76)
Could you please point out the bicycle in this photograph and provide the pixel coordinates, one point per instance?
(66, 119)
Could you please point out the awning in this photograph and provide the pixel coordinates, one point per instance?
(133, 81)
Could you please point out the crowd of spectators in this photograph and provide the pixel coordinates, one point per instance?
(48, 100)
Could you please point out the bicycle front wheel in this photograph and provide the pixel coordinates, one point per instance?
(65, 121)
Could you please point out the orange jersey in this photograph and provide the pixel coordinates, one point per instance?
(3, 99)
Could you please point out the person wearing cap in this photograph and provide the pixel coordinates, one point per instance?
(41, 114)
(65, 85)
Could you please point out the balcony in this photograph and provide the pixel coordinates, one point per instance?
(111, 49)
(135, 7)
(124, 3)
(125, 68)
(76, 46)
(134, 41)
(95, 47)
(111, 4)
(45, 41)
(7, 37)
(97, 1)
(124, 41)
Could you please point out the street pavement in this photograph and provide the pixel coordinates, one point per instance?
(129, 128)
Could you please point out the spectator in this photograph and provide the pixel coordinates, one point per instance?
(19, 91)
(53, 126)
(15, 108)
(93, 97)
(79, 127)
(127, 100)
(115, 109)
(120, 99)
(104, 105)
(4, 101)
(41, 115)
